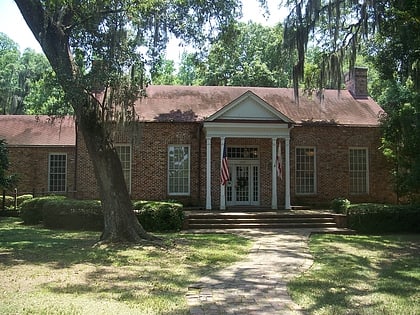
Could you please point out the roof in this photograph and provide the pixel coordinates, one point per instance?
(27, 130)
(197, 103)
(206, 103)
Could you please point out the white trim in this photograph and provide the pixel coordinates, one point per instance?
(274, 174)
(246, 130)
(274, 114)
(189, 170)
(208, 173)
(49, 172)
(366, 149)
(314, 192)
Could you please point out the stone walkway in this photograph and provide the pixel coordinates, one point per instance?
(256, 285)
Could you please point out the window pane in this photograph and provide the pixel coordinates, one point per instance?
(124, 153)
(305, 170)
(179, 170)
(358, 171)
(57, 172)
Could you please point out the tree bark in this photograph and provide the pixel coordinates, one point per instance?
(121, 224)
(120, 221)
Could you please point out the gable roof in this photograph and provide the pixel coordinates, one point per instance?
(249, 106)
(27, 130)
(198, 103)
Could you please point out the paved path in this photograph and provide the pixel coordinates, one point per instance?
(256, 285)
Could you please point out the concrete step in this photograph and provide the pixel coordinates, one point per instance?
(272, 220)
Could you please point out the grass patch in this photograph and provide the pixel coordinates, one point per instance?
(60, 272)
(362, 275)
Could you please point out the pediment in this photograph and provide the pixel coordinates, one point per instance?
(249, 107)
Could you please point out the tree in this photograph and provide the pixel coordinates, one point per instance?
(163, 72)
(9, 67)
(248, 54)
(94, 49)
(391, 29)
(394, 53)
(27, 82)
(6, 181)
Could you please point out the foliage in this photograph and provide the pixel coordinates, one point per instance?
(97, 50)
(340, 205)
(247, 54)
(31, 209)
(72, 214)
(394, 53)
(388, 33)
(357, 274)
(160, 216)
(62, 273)
(10, 201)
(6, 180)
(27, 82)
(380, 218)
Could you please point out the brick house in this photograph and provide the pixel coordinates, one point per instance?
(327, 145)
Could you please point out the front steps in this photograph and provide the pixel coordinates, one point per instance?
(298, 219)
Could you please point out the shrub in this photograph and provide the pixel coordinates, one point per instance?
(380, 218)
(9, 202)
(73, 214)
(160, 216)
(22, 198)
(31, 209)
(340, 205)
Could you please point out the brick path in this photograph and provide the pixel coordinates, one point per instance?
(256, 285)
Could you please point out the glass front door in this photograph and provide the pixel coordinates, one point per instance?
(243, 188)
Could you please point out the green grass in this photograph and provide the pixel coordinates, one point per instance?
(60, 272)
(362, 275)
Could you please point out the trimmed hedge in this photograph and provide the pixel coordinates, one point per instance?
(380, 218)
(62, 213)
(31, 209)
(159, 216)
(73, 214)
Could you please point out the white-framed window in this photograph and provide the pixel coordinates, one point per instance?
(305, 170)
(57, 172)
(179, 169)
(359, 171)
(124, 153)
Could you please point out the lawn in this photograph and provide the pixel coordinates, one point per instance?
(60, 272)
(361, 274)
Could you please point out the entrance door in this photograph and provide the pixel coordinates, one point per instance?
(243, 188)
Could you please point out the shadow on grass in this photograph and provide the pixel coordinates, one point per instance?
(127, 274)
(362, 274)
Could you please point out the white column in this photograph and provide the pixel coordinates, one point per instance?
(222, 187)
(287, 204)
(208, 173)
(273, 173)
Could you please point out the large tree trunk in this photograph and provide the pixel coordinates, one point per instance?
(121, 224)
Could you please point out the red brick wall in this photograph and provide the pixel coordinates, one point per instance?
(149, 152)
(332, 143)
(31, 166)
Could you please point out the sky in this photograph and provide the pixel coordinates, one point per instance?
(14, 26)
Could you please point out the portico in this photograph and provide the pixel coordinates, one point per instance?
(248, 117)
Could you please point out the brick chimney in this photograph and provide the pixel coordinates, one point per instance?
(356, 82)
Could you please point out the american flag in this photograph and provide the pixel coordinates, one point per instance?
(279, 162)
(224, 171)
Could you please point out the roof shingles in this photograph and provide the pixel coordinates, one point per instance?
(26, 130)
